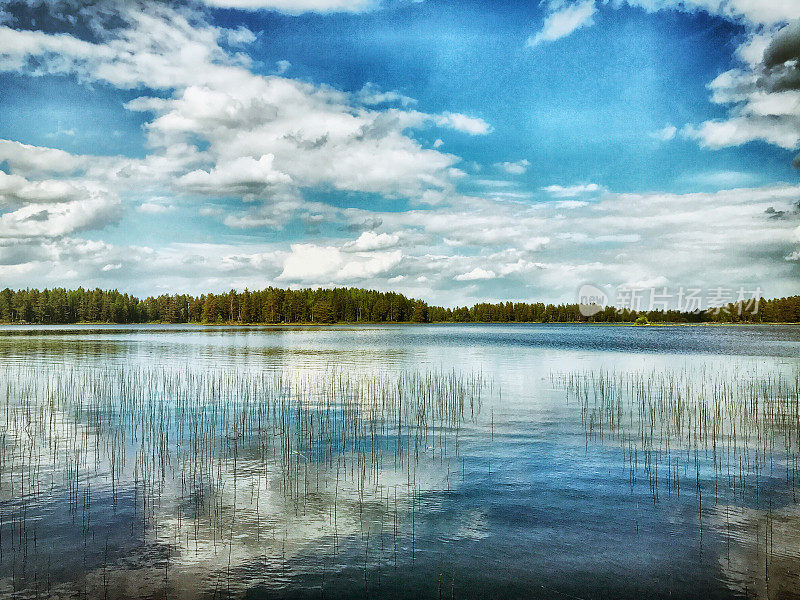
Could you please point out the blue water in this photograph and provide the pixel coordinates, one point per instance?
(528, 499)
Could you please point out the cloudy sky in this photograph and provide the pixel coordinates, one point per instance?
(454, 150)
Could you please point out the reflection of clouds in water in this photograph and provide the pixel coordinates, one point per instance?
(761, 553)
(472, 525)
(252, 535)
(280, 526)
(230, 468)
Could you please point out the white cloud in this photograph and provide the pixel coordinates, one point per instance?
(16, 190)
(370, 241)
(318, 265)
(571, 191)
(314, 135)
(463, 123)
(515, 168)
(158, 46)
(55, 220)
(224, 131)
(449, 251)
(564, 20)
(38, 160)
(241, 36)
(317, 136)
(762, 94)
(218, 129)
(296, 6)
(758, 12)
(49, 208)
(736, 131)
(665, 134)
(571, 204)
(370, 95)
(154, 208)
(242, 175)
(476, 274)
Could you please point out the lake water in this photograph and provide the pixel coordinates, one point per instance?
(537, 461)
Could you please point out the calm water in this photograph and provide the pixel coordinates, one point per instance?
(400, 461)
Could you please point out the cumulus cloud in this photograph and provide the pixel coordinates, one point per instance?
(758, 12)
(762, 93)
(16, 190)
(38, 160)
(464, 123)
(316, 137)
(515, 168)
(156, 46)
(242, 176)
(476, 274)
(56, 220)
(453, 253)
(321, 264)
(371, 95)
(221, 130)
(563, 20)
(369, 241)
(53, 208)
(214, 128)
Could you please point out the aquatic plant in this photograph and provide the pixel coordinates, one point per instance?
(219, 468)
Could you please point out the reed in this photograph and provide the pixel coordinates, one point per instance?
(735, 428)
(731, 438)
(220, 468)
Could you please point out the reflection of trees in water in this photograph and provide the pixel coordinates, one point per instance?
(209, 347)
(227, 469)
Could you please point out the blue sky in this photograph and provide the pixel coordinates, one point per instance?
(455, 151)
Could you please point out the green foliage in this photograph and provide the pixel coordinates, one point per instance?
(323, 312)
(338, 305)
(641, 320)
(420, 314)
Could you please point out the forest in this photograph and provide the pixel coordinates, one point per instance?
(337, 305)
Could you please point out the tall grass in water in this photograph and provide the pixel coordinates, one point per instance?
(746, 424)
(730, 438)
(217, 472)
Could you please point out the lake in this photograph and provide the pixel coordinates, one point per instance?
(455, 461)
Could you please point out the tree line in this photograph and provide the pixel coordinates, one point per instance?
(338, 305)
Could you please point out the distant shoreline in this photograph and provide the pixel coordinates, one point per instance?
(389, 324)
(348, 305)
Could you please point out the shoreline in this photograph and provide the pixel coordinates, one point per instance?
(384, 323)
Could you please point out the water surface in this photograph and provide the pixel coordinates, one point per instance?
(458, 461)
